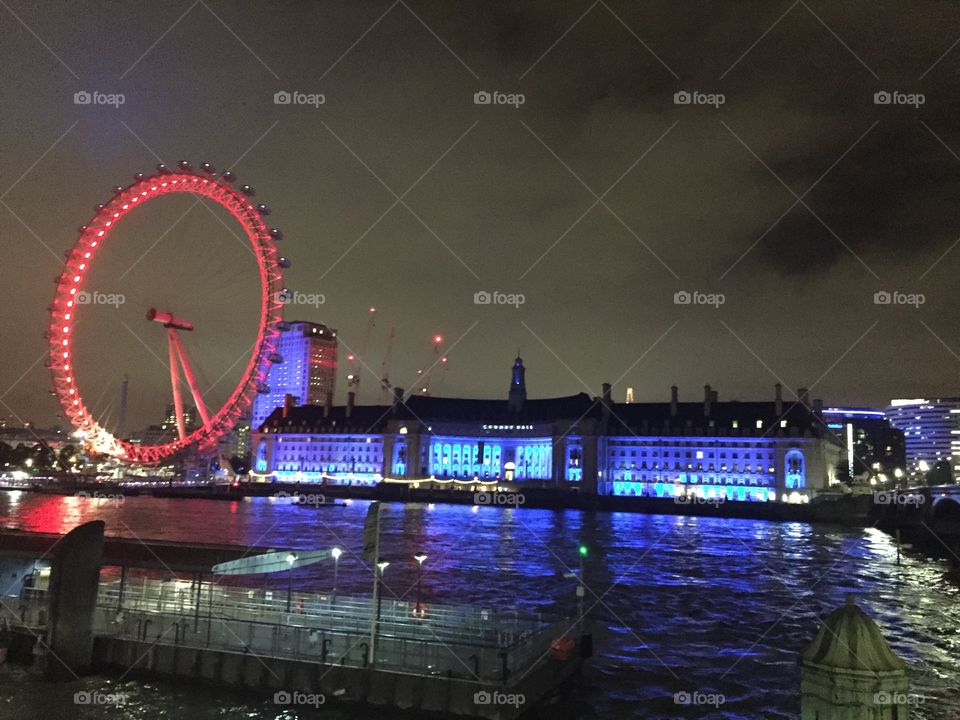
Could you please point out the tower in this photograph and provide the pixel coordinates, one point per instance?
(518, 386)
(308, 371)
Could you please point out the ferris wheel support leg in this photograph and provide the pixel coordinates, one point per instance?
(172, 341)
(191, 381)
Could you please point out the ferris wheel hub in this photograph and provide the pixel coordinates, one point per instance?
(168, 320)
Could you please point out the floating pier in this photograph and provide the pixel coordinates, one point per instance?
(454, 659)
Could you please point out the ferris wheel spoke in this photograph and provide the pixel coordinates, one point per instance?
(191, 379)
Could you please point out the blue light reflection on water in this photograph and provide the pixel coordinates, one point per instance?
(683, 603)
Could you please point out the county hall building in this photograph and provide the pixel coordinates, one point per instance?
(748, 451)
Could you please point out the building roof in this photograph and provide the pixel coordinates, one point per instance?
(539, 410)
(725, 418)
(308, 328)
(645, 418)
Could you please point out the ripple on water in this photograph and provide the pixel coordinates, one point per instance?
(687, 603)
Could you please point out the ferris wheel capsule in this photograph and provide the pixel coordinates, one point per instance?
(276, 234)
(185, 166)
(283, 262)
(99, 208)
(117, 189)
(228, 176)
(207, 168)
(263, 209)
(263, 388)
(163, 169)
(139, 177)
(248, 190)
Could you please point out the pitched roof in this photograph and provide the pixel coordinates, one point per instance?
(725, 418)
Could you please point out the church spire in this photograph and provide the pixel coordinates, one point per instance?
(518, 386)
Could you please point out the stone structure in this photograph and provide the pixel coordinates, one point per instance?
(849, 672)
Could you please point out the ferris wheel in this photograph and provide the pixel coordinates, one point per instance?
(202, 182)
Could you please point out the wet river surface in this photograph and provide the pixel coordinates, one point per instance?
(698, 605)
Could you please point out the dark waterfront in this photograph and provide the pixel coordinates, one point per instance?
(721, 606)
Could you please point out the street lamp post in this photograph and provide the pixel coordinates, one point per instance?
(336, 552)
(291, 559)
(581, 588)
(419, 557)
(381, 566)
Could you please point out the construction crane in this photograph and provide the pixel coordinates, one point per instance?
(356, 360)
(443, 374)
(386, 389)
(435, 359)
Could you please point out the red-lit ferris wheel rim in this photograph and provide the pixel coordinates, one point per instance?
(93, 237)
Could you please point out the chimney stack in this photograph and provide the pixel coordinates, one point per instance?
(289, 401)
(673, 401)
(607, 393)
(804, 396)
(351, 398)
(818, 406)
(328, 405)
(778, 405)
(397, 401)
(707, 397)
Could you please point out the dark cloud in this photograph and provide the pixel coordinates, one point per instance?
(497, 209)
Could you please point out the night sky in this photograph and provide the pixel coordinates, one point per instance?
(798, 198)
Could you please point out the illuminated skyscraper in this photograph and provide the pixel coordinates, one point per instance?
(871, 443)
(931, 428)
(308, 371)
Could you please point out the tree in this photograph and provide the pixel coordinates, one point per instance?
(940, 474)
(859, 470)
(68, 456)
(240, 464)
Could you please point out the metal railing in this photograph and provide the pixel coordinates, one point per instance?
(480, 644)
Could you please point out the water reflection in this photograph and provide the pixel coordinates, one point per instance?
(683, 602)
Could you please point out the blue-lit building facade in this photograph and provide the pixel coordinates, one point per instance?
(749, 451)
(308, 370)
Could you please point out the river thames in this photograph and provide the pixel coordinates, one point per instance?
(719, 607)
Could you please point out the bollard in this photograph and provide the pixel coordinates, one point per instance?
(849, 671)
